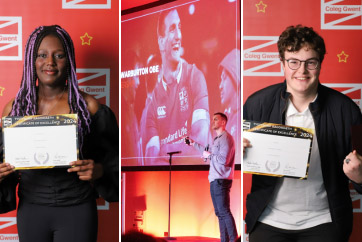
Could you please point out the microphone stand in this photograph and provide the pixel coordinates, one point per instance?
(169, 196)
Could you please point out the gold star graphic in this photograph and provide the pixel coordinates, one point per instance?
(342, 57)
(261, 7)
(86, 39)
(2, 89)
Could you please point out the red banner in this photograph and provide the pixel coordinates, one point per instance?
(338, 22)
(94, 28)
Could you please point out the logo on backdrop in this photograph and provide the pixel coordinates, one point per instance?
(10, 38)
(245, 235)
(258, 62)
(86, 4)
(102, 204)
(352, 90)
(8, 230)
(355, 196)
(95, 82)
(335, 15)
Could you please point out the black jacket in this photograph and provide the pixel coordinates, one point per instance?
(333, 114)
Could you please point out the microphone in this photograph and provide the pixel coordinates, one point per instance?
(174, 152)
(187, 140)
(206, 149)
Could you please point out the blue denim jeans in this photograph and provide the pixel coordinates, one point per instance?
(220, 195)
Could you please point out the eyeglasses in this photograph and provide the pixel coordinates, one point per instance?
(310, 64)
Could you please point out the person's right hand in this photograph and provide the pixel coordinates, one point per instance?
(246, 144)
(5, 170)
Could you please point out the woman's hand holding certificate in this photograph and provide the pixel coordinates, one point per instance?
(87, 170)
(5, 170)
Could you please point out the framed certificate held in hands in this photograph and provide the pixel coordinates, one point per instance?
(277, 150)
(40, 141)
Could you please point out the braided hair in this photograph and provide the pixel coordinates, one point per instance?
(26, 100)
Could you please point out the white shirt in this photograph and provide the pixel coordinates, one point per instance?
(299, 204)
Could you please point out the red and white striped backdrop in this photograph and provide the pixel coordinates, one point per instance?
(338, 22)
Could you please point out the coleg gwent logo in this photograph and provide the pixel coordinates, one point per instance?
(8, 230)
(357, 200)
(86, 4)
(261, 57)
(352, 90)
(10, 38)
(340, 14)
(95, 82)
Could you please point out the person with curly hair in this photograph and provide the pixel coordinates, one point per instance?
(318, 208)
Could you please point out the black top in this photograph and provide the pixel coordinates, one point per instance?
(57, 187)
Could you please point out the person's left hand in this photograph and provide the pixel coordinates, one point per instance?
(87, 170)
(206, 154)
(352, 167)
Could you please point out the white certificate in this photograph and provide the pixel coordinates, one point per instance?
(39, 141)
(277, 150)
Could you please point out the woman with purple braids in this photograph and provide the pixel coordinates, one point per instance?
(60, 204)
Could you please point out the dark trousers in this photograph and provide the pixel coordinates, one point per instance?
(37, 223)
(220, 195)
(324, 232)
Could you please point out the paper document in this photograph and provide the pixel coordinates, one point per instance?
(277, 150)
(39, 141)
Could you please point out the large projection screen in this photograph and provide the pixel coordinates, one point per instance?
(174, 76)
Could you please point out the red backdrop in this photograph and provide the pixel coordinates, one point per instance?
(338, 22)
(93, 26)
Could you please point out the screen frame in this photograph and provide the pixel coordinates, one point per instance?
(197, 167)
